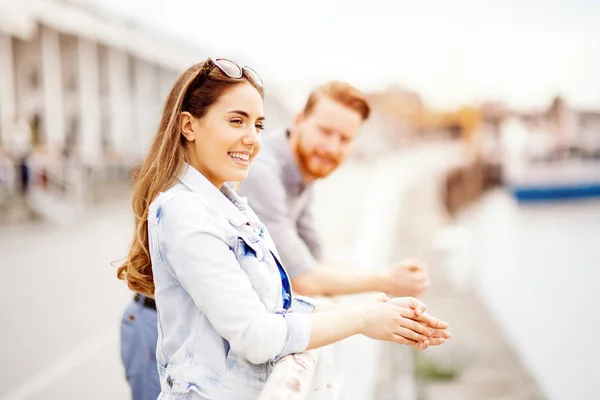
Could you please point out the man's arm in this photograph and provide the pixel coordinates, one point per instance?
(325, 280)
(408, 278)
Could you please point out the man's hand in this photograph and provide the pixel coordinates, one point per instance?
(407, 278)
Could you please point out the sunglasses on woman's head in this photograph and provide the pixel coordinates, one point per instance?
(227, 67)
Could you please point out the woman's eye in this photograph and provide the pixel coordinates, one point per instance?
(236, 121)
(260, 126)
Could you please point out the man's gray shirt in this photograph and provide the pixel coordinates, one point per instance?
(281, 200)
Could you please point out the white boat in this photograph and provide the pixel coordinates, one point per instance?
(534, 170)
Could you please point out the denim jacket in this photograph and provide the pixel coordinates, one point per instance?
(225, 314)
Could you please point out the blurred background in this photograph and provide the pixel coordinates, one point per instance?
(482, 157)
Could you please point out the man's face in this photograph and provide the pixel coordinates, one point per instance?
(325, 137)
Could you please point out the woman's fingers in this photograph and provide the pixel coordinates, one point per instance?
(436, 341)
(433, 322)
(402, 340)
(407, 321)
(410, 334)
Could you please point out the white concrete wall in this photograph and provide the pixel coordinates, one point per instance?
(147, 108)
(28, 63)
(120, 100)
(53, 89)
(70, 89)
(7, 88)
(89, 101)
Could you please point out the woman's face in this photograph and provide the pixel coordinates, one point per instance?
(223, 143)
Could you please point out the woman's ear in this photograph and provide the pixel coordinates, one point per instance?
(187, 126)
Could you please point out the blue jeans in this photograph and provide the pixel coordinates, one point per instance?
(139, 334)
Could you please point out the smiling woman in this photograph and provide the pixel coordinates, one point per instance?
(202, 259)
(209, 129)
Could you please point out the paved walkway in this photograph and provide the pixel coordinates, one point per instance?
(61, 308)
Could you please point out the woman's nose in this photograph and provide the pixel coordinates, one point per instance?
(251, 139)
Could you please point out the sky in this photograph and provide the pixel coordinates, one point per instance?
(452, 52)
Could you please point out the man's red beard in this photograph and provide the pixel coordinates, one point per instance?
(312, 166)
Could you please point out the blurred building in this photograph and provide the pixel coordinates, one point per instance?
(561, 131)
(83, 83)
(75, 80)
(563, 123)
(590, 132)
(400, 118)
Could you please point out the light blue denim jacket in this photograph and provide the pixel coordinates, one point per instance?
(218, 289)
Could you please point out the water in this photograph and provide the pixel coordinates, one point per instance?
(538, 268)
